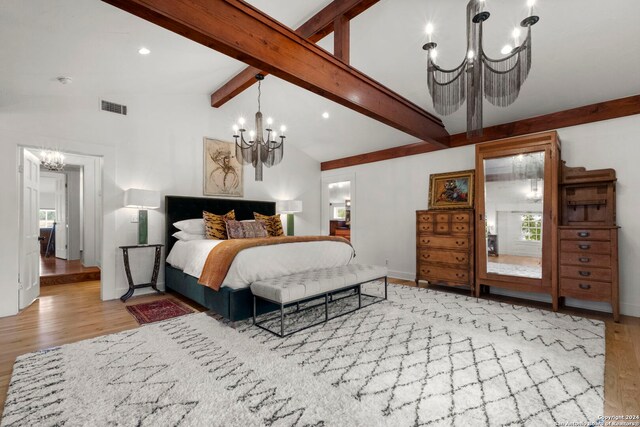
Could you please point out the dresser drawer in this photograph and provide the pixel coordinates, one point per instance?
(443, 217)
(425, 217)
(443, 242)
(443, 227)
(585, 289)
(460, 227)
(585, 273)
(588, 260)
(434, 273)
(585, 246)
(447, 257)
(461, 217)
(585, 234)
(425, 226)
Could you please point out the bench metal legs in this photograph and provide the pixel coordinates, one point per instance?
(328, 297)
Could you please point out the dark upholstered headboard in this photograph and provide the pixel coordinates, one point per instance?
(181, 207)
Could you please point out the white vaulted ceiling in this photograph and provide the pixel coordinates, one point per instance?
(584, 51)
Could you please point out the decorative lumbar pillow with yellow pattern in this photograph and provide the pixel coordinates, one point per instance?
(214, 225)
(273, 223)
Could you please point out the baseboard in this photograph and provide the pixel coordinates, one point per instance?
(402, 275)
(138, 292)
(626, 309)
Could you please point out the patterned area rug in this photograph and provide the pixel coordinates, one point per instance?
(514, 270)
(158, 310)
(422, 358)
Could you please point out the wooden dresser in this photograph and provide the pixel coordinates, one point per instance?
(589, 237)
(444, 247)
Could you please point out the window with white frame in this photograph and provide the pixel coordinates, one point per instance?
(339, 212)
(531, 228)
(47, 218)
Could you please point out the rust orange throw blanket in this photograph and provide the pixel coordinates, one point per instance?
(222, 255)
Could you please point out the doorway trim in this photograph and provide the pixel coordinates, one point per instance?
(330, 178)
(92, 207)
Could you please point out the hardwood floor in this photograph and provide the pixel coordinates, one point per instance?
(527, 261)
(72, 312)
(56, 271)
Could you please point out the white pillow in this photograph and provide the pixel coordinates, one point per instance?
(191, 226)
(183, 235)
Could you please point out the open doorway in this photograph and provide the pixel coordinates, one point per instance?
(338, 199)
(60, 226)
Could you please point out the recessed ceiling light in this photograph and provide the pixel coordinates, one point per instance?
(144, 51)
(325, 115)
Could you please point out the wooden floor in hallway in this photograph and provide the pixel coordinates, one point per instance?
(72, 312)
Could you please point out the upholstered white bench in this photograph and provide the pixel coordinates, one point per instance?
(306, 286)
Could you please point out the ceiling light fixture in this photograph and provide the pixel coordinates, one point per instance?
(506, 49)
(498, 80)
(325, 115)
(259, 151)
(144, 51)
(52, 160)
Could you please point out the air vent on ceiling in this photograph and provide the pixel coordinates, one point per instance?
(112, 107)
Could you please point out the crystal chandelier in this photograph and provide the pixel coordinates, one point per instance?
(52, 160)
(257, 150)
(498, 80)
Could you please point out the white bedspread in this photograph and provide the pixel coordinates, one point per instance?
(262, 262)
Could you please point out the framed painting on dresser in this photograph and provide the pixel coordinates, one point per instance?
(452, 190)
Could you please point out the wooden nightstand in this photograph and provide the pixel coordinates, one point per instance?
(127, 270)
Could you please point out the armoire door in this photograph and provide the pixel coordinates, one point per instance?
(517, 211)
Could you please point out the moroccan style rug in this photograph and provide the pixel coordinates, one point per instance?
(157, 310)
(422, 358)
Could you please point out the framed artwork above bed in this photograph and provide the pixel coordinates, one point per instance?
(222, 170)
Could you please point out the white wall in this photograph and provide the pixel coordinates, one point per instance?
(389, 193)
(157, 146)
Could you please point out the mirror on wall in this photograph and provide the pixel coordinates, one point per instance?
(514, 188)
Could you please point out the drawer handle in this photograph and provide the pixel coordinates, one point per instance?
(583, 286)
(459, 243)
(461, 275)
(584, 247)
(426, 256)
(585, 273)
(460, 259)
(585, 259)
(584, 234)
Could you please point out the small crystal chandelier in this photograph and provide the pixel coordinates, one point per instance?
(259, 151)
(52, 160)
(498, 80)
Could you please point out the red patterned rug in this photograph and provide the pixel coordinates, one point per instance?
(158, 310)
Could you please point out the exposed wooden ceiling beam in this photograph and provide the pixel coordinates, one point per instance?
(241, 31)
(576, 116)
(341, 35)
(315, 29)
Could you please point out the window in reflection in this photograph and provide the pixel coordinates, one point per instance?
(514, 214)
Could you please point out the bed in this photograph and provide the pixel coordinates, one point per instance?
(233, 300)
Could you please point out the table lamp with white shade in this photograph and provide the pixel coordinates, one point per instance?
(142, 200)
(289, 207)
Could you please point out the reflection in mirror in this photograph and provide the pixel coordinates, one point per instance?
(514, 204)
